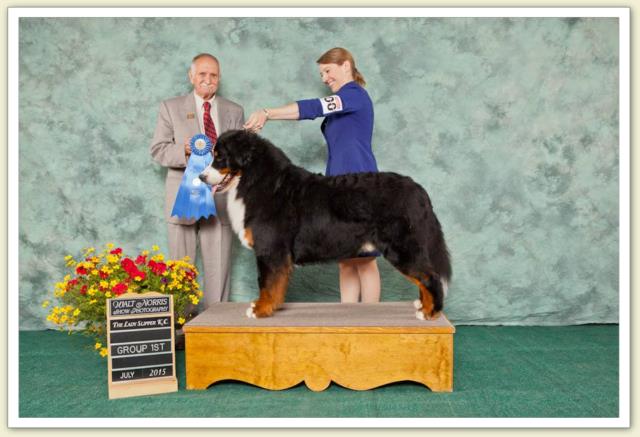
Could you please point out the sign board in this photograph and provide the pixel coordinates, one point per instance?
(140, 338)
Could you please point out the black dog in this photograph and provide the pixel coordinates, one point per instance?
(289, 216)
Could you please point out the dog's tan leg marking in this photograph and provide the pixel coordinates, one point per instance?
(248, 236)
(425, 304)
(272, 296)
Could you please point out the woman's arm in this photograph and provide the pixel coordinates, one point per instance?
(257, 120)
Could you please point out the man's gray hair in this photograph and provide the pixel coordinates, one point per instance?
(203, 55)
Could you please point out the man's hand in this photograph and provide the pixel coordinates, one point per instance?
(187, 148)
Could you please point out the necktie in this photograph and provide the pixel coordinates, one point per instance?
(209, 128)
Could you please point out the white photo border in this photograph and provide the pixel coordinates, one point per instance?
(622, 421)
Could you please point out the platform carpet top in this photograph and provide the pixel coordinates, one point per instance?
(298, 314)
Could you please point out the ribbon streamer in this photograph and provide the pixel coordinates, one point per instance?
(194, 198)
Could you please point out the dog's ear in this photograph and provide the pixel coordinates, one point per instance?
(248, 147)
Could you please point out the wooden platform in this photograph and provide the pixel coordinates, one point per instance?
(358, 346)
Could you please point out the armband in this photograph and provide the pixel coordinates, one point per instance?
(331, 104)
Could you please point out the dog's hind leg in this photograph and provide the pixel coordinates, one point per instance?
(428, 281)
(431, 299)
(273, 280)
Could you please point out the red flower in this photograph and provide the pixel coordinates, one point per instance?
(141, 259)
(83, 290)
(132, 270)
(157, 268)
(140, 274)
(103, 275)
(71, 283)
(81, 270)
(127, 264)
(117, 251)
(119, 289)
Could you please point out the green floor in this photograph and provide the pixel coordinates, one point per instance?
(499, 372)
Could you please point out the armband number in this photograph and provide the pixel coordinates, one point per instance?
(331, 104)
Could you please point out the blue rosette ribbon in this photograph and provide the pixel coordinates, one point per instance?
(194, 198)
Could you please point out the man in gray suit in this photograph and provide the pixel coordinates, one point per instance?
(181, 118)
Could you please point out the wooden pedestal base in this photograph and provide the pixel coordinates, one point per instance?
(358, 346)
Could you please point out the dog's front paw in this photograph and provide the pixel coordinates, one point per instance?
(418, 304)
(250, 312)
(419, 315)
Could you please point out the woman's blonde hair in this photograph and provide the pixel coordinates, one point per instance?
(338, 55)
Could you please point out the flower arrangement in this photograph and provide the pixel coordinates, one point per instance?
(82, 296)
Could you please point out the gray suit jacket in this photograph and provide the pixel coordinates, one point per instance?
(177, 121)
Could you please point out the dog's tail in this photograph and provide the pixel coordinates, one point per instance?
(441, 260)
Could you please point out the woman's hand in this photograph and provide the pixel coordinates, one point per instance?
(256, 121)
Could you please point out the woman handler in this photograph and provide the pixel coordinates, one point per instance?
(347, 128)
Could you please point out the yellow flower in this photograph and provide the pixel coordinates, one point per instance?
(113, 282)
(92, 301)
(45, 304)
(110, 246)
(181, 320)
(104, 284)
(155, 248)
(112, 259)
(98, 345)
(94, 272)
(63, 318)
(107, 294)
(145, 253)
(76, 312)
(138, 278)
(104, 352)
(68, 257)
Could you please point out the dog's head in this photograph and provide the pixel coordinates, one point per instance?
(231, 155)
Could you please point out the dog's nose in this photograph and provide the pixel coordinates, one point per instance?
(202, 177)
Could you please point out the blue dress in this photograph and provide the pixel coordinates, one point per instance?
(347, 128)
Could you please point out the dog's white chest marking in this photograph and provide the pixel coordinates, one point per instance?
(235, 208)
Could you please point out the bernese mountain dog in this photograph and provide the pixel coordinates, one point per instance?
(289, 215)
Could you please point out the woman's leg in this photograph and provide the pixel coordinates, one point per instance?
(369, 279)
(349, 281)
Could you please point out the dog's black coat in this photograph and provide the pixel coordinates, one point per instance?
(299, 217)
